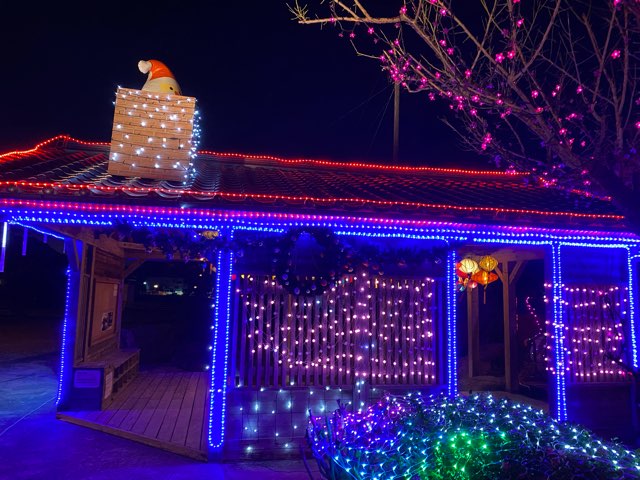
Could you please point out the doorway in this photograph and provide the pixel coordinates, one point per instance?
(504, 344)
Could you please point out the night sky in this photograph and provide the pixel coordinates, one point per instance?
(264, 83)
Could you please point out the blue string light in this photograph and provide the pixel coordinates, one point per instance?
(558, 333)
(3, 248)
(36, 229)
(630, 286)
(348, 226)
(63, 349)
(452, 349)
(222, 317)
(631, 265)
(196, 219)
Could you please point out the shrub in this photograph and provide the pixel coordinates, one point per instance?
(477, 437)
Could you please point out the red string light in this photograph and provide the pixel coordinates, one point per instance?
(35, 149)
(302, 199)
(372, 166)
(21, 153)
(325, 163)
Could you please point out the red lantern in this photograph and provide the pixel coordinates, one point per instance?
(483, 277)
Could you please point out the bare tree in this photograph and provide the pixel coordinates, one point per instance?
(550, 86)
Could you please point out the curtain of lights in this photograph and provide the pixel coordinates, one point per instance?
(381, 329)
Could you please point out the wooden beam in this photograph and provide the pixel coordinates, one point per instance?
(516, 272)
(510, 332)
(473, 331)
(511, 254)
(132, 267)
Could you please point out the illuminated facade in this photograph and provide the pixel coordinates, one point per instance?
(371, 331)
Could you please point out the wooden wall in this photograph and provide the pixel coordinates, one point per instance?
(102, 278)
(291, 354)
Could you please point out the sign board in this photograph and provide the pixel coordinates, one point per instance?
(87, 378)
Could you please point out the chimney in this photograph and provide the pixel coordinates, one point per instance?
(153, 135)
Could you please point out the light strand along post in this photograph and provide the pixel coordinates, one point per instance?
(220, 347)
(452, 311)
(3, 249)
(70, 320)
(558, 334)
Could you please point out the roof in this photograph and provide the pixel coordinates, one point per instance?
(63, 167)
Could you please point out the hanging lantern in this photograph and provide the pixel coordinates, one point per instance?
(488, 263)
(468, 266)
(461, 273)
(482, 277)
(210, 234)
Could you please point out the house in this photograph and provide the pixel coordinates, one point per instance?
(331, 282)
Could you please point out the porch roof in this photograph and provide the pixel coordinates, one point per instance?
(65, 168)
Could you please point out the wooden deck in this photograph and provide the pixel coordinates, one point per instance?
(166, 410)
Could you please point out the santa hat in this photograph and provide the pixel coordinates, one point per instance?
(155, 69)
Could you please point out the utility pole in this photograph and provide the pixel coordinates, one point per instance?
(396, 122)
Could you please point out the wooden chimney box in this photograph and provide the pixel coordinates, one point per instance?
(152, 135)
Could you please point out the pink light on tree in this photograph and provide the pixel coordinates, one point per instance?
(547, 87)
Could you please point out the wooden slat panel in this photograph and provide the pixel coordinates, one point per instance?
(251, 363)
(262, 337)
(172, 412)
(594, 332)
(325, 347)
(183, 419)
(268, 325)
(299, 339)
(153, 427)
(343, 304)
(242, 323)
(146, 397)
(152, 382)
(198, 417)
(338, 337)
(143, 420)
(414, 335)
(278, 365)
(309, 341)
(380, 320)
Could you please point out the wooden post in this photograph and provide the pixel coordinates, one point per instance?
(508, 278)
(473, 331)
(72, 316)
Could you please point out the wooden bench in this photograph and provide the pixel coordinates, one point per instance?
(105, 377)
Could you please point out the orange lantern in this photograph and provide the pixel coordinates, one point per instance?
(482, 277)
